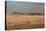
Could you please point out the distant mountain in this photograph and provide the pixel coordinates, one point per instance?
(27, 13)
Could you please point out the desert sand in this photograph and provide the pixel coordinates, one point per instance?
(24, 21)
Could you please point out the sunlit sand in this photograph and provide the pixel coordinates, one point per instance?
(24, 21)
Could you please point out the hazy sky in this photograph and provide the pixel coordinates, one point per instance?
(25, 7)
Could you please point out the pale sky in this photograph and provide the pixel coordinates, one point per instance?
(26, 7)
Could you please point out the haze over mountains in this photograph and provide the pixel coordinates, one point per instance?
(24, 7)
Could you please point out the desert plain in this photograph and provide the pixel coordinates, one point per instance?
(24, 21)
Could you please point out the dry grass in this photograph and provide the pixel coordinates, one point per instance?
(24, 21)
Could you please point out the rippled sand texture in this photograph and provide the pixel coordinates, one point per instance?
(24, 22)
